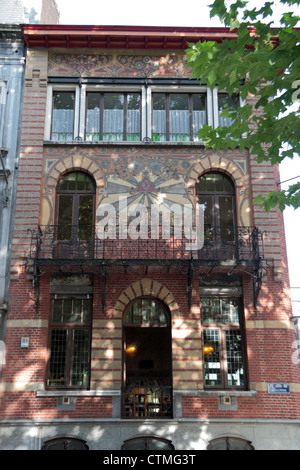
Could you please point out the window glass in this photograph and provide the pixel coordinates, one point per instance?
(113, 116)
(70, 339)
(147, 443)
(65, 444)
(222, 342)
(133, 117)
(229, 443)
(63, 116)
(199, 114)
(146, 311)
(227, 102)
(159, 117)
(179, 117)
(93, 117)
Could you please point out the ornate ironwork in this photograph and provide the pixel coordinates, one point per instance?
(80, 246)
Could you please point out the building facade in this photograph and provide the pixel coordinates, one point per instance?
(129, 326)
(12, 67)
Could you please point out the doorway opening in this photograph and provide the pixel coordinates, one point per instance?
(147, 362)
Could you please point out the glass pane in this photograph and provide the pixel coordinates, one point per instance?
(199, 114)
(85, 217)
(80, 357)
(57, 311)
(65, 217)
(212, 362)
(133, 116)
(207, 203)
(227, 102)
(139, 444)
(179, 117)
(63, 116)
(205, 311)
(156, 444)
(58, 347)
(226, 218)
(76, 181)
(220, 444)
(225, 306)
(146, 310)
(235, 367)
(113, 116)
(159, 117)
(234, 304)
(93, 116)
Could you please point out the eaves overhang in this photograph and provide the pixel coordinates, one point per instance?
(120, 37)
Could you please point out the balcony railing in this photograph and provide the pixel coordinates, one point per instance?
(147, 402)
(57, 242)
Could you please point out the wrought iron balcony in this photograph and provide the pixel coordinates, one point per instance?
(56, 243)
(147, 402)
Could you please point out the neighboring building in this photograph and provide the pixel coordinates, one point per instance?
(130, 339)
(12, 66)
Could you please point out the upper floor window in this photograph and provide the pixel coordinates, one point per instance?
(113, 117)
(120, 113)
(178, 116)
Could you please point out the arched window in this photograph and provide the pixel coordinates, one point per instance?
(216, 192)
(65, 444)
(229, 443)
(147, 443)
(75, 201)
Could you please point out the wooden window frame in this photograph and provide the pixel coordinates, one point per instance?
(101, 109)
(222, 328)
(167, 94)
(69, 327)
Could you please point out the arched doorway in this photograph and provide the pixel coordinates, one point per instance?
(216, 192)
(147, 362)
(75, 215)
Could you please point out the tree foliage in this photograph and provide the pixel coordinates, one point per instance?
(263, 61)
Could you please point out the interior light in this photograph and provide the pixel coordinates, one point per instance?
(131, 349)
(208, 349)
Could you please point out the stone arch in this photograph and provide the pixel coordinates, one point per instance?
(214, 162)
(146, 287)
(57, 170)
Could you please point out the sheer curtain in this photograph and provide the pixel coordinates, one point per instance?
(63, 124)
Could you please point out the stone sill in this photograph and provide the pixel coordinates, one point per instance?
(101, 143)
(78, 393)
(216, 393)
(112, 392)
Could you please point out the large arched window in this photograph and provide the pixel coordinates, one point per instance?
(75, 201)
(216, 192)
(147, 363)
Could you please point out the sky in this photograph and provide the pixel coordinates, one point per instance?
(177, 13)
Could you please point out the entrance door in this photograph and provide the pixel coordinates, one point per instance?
(147, 366)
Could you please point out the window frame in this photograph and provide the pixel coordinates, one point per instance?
(222, 328)
(182, 90)
(69, 327)
(102, 94)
